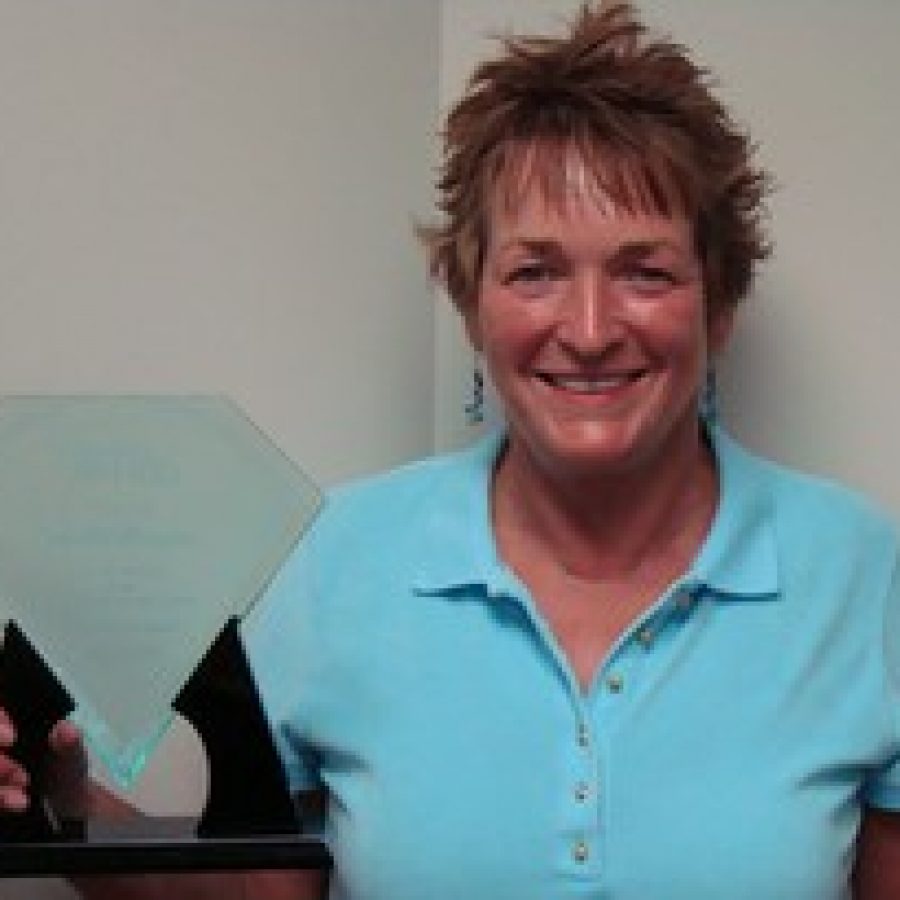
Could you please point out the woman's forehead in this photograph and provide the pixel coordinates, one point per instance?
(583, 226)
(557, 173)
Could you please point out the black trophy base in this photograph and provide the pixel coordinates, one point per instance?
(154, 845)
(250, 821)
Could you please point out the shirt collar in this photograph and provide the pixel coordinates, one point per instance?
(456, 547)
(738, 559)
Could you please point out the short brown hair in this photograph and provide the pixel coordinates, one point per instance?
(638, 112)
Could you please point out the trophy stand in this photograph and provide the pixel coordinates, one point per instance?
(250, 821)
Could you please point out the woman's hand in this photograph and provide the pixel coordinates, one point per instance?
(13, 777)
(71, 793)
(68, 788)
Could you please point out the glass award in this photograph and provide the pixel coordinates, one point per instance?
(134, 532)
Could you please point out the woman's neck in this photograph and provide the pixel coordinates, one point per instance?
(634, 525)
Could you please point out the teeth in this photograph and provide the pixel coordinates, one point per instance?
(587, 385)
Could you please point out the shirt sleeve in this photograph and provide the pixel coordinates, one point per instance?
(277, 636)
(883, 789)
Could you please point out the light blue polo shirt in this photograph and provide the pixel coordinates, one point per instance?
(724, 750)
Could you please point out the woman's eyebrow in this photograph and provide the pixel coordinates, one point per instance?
(536, 246)
(643, 248)
(640, 248)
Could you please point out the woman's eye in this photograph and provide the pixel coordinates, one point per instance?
(530, 273)
(534, 280)
(651, 279)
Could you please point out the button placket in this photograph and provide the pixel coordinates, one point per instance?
(584, 735)
(582, 793)
(581, 788)
(617, 686)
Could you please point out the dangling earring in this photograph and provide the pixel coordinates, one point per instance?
(709, 401)
(474, 409)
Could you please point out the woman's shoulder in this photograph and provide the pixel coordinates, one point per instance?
(404, 494)
(815, 506)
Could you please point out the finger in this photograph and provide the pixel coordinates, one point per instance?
(65, 736)
(13, 799)
(7, 729)
(71, 764)
(13, 785)
(67, 776)
(12, 773)
(12, 770)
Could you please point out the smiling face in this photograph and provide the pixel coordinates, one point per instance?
(592, 322)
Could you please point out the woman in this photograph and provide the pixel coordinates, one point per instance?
(607, 652)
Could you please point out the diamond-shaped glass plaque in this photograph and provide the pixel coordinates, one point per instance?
(131, 529)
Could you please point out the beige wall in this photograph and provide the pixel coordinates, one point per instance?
(811, 375)
(218, 195)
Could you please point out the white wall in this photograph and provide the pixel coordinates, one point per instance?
(810, 376)
(219, 195)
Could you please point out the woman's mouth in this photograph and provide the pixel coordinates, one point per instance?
(590, 384)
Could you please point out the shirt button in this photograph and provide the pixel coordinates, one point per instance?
(684, 601)
(584, 738)
(615, 683)
(581, 791)
(580, 852)
(645, 636)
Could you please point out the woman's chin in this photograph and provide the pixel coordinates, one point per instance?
(576, 452)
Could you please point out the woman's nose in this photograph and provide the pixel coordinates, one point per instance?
(588, 318)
